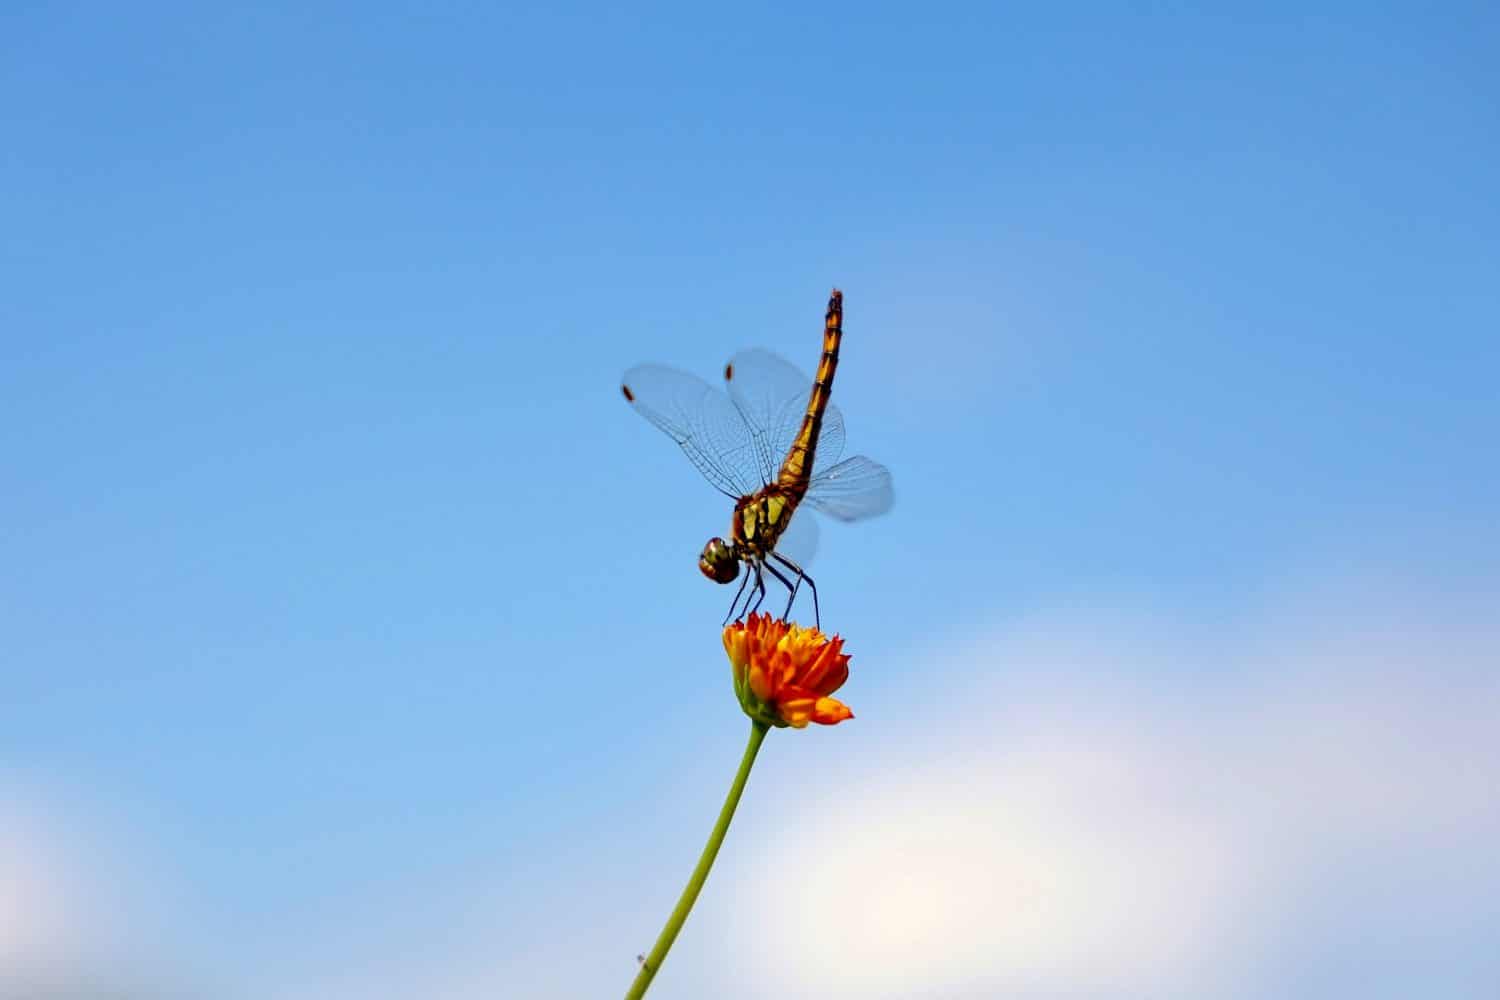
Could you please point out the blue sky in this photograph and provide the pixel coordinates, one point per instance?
(347, 603)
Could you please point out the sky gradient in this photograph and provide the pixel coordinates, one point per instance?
(352, 640)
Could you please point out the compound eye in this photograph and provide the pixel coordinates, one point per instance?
(718, 562)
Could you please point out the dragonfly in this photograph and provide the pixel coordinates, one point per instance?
(772, 443)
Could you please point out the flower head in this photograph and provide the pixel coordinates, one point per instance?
(784, 673)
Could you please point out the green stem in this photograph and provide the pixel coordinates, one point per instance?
(700, 874)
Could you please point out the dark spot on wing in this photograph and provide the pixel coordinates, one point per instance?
(728, 373)
(628, 394)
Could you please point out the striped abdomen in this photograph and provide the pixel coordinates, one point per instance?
(797, 468)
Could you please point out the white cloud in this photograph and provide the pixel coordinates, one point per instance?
(1124, 822)
(37, 898)
(75, 920)
(1300, 804)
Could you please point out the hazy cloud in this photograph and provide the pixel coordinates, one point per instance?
(1297, 804)
(1122, 824)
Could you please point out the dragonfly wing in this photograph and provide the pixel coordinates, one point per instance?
(771, 394)
(703, 421)
(799, 542)
(852, 490)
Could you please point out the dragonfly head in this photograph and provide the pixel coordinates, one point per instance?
(718, 562)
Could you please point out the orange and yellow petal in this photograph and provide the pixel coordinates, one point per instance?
(761, 683)
(830, 712)
(736, 646)
(829, 669)
(799, 709)
(796, 712)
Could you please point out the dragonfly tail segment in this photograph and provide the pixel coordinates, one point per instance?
(797, 468)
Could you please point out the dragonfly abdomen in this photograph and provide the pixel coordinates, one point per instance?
(796, 469)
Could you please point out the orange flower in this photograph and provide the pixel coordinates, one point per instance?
(784, 673)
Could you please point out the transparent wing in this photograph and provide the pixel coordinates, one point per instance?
(799, 542)
(702, 420)
(852, 490)
(771, 393)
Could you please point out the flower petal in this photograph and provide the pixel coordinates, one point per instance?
(796, 712)
(760, 683)
(828, 671)
(830, 712)
(736, 646)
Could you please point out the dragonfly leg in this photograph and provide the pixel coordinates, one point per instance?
(758, 586)
(801, 576)
(736, 602)
(790, 588)
(760, 590)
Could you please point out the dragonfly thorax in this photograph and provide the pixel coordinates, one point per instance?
(760, 519)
